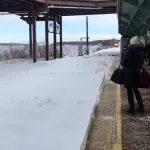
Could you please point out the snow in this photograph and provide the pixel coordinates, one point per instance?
(68, 50)
(4, 48)
(106, 52)
(22, 51)
(72, 50)
(47, 105)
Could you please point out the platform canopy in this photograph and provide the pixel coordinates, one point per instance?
(81, 3)
(14, 6)
(65, 7)
(133, 17)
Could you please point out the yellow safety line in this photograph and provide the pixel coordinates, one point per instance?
(118, 144)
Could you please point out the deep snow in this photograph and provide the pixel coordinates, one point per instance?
(68, 50)
(47, 105)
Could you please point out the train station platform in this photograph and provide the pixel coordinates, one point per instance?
(112, 128)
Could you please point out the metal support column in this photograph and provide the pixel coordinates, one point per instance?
(47, 37)
(61, 53)
(87, 35)
(55, 36)
(30, 36)
(34, 38)
(124, 42)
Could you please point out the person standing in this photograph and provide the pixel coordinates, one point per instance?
(132, 62)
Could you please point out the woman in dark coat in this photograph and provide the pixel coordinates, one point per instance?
(132, 63)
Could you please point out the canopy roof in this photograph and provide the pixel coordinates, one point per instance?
(81, 3)
(39, 6)
(133, 16)
(20, 5)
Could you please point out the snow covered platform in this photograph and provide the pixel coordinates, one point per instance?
(48, 105)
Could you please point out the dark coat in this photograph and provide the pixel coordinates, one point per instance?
(132, 63)
(148, 50)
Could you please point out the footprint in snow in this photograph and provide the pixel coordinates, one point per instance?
(46, 102)
(36, 97)
(12, 98)
(82, 102)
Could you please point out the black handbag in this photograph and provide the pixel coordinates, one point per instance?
(117, 76)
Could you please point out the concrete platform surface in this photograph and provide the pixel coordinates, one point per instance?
(112, 128)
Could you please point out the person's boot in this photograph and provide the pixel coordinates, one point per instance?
(140, 109)
(131, 111)
(141, 106)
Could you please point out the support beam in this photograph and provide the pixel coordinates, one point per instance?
(47, 37)
(61, 52)
(34, 39)
(81, 3)
(40, 8)
(55, 36)
(124, 42)
(13, 8)
(87, 36)
(30, 36)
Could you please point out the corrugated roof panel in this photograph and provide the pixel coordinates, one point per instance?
(139, 15)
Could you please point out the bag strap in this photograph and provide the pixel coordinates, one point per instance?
(120, 66)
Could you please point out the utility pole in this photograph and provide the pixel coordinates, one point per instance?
(87, 36)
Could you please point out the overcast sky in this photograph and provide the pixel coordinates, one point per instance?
(12, 29)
